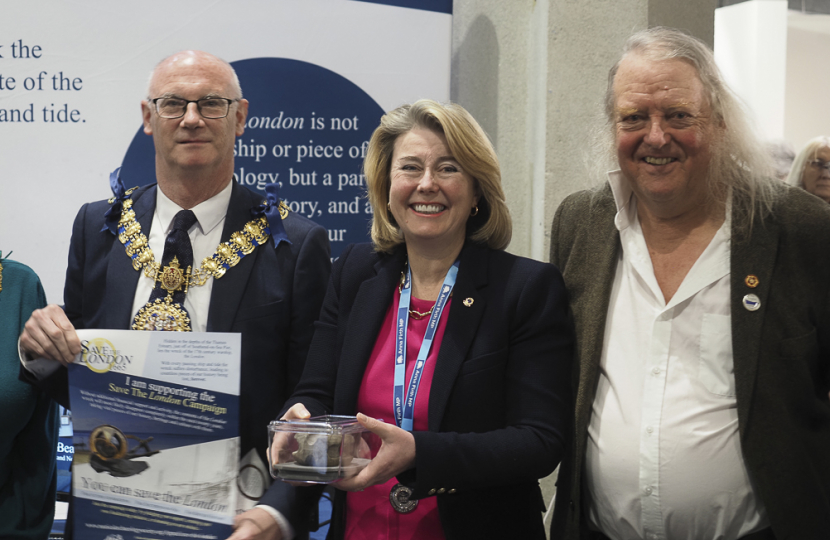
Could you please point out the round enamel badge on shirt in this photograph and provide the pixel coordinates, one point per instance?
(751, 302)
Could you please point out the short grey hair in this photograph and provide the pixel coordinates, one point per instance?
(236, 88)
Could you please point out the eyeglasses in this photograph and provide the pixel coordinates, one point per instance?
(819, 164)
(211, 108)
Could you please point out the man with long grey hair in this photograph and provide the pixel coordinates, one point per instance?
(700, 295)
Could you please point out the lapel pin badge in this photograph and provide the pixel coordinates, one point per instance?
(751, 281)
(467, 302)
(751, 302)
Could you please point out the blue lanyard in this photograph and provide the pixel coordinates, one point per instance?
(405, 408)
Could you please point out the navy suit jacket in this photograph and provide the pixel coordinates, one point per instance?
(499, 401)
(271, 297)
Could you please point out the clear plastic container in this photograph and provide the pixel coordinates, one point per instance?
(320, 450)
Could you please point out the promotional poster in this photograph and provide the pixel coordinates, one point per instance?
(156, 446)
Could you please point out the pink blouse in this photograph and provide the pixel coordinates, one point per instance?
(369, 514)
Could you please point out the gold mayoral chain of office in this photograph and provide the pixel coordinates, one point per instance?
(165, 314)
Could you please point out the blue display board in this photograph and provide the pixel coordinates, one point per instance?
(70, 106)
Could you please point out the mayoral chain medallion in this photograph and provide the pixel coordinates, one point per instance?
(165, 313)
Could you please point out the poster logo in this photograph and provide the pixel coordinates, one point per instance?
(101, 356)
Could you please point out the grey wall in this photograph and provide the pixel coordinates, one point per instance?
(806, 114)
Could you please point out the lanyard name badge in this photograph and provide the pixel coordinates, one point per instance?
(405, 405)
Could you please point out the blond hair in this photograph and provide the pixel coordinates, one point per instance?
(469, 145)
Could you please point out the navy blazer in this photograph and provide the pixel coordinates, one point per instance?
(271, 297)
(781, 352)
(499, 401)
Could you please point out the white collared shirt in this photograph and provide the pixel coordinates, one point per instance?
(204, 237)
(663, 459)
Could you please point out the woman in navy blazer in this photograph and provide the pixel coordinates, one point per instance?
(492, 407)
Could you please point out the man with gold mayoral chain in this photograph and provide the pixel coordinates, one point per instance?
(194, 251)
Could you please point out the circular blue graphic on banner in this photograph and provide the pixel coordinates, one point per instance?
(308, 129)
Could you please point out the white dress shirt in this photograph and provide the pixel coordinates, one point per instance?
(663, 459)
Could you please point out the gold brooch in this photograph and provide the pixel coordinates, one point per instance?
(172, 277)
(468, 302)
(751, 281)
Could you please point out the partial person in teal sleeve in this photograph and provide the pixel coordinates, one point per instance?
(29, 423)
